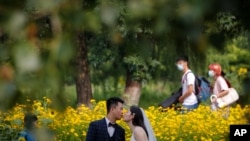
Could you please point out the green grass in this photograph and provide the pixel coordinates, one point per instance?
(152, 93)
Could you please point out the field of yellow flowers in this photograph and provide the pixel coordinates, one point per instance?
(72, 124)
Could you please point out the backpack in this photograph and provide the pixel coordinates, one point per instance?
(201, 88)
(204, 89)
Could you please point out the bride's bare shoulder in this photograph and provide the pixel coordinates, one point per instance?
(138, 129)
(140, 134)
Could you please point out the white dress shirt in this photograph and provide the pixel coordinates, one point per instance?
(111, 129)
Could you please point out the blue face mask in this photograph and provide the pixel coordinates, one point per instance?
(180, 67)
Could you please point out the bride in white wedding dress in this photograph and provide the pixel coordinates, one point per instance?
(139, 125)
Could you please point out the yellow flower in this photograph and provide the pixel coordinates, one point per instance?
(72, 130)
(52, 113)
(72, 124)
(21, 139)
(242, 71)
(75, 134)
(48, 101)
(92, 101)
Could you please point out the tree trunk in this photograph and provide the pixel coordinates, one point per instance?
(132, 91)
(83, 83)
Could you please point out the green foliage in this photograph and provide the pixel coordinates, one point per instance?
(8, 133)
(36, 50)
(234, 62)
(228, 24)
(139, 68)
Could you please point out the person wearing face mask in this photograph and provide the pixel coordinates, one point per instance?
(220, 86)
(188, 98)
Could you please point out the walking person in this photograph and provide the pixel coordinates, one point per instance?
(188, 98)
(220, 86)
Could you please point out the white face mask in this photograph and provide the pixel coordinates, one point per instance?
(180, 67)
(211, 73)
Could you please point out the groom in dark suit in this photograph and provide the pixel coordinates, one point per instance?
(106, 129)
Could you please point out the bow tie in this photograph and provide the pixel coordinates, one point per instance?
(112, 125)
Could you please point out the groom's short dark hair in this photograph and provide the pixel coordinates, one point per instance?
(113, 101)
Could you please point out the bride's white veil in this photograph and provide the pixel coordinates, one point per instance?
(151, 135)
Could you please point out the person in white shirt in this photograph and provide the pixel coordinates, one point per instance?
(188, 98)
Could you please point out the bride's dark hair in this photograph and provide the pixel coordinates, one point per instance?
(138, 118)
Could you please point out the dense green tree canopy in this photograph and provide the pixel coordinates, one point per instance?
(38, 42)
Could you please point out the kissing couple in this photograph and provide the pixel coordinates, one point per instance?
(106, 129)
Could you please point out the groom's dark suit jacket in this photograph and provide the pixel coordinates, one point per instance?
(98, 132)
